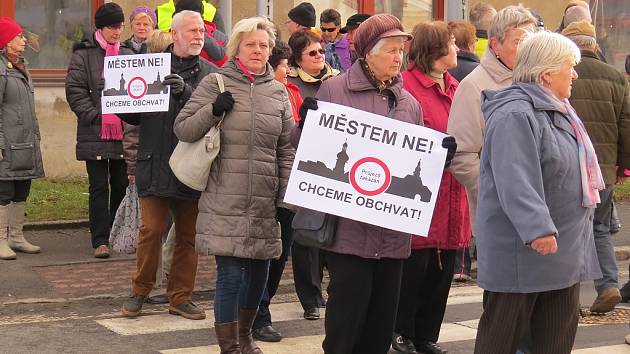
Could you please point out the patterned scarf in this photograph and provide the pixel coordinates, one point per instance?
(378, 84)
(111, 126)
(591, 175)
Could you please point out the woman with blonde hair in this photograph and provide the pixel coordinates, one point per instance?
(237, 211)
(143, 22)
(538, 187)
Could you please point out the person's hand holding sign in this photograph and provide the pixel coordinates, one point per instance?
(176, 83)
(309, 103)
(450, 145)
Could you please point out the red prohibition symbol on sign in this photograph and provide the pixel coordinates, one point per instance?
(385, 181)
(130, 90)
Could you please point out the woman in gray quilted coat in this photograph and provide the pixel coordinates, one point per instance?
(237, 211)
(20, 156)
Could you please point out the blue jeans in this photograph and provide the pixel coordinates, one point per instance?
(603, 242)
(240, 285)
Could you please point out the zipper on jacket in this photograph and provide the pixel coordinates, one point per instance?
(249, 156)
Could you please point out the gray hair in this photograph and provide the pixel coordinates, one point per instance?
(576, 13)
(481, 15)
(584, 42)
(249, 25)
(180, 17)
(543, 52)
(377, 47)
(508, 18)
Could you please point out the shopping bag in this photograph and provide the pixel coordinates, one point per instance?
(123, 237)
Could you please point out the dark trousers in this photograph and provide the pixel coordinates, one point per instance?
(276, 268)
(14, 191)
(240, 284)
(308, 272)
(426, 282)
(181, 278)
(105, 176)
(550, 316)
(362, 300)
(463, 261)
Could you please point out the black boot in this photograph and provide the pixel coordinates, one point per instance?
(403, 345)
(428, 347)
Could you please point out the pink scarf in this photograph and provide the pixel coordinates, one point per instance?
(111, 126)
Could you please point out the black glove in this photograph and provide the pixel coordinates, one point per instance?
(223, 103)
(308, 103)
(449, 144)
(176, 83)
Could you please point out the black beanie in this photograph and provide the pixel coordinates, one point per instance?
(108, 14)
(190, 5)
(303, 14)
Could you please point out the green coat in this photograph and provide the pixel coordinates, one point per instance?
(19, 130)
(600, 97)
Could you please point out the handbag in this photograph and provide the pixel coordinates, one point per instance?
(123, 236)
(191, 162)
(312, 228)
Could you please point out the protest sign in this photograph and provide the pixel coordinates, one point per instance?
(367, 167)
(133, 83)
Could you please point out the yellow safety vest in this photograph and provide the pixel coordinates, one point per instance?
(166, 10)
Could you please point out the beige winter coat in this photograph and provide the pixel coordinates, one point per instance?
(237, 211)
(466, 122)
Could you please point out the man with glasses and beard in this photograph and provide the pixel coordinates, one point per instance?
(158, 188)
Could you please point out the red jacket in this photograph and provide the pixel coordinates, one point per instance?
(450, 226)
(295, 98)
(210, 28)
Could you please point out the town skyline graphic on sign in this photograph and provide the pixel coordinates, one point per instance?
(405, 187)
(155, 88)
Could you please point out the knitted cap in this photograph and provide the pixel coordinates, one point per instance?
(579, 28)
(374, 28)
(190, 5)
(9, 29)
(143, 10)
(108, 14)
(354, 21)
(303, 14)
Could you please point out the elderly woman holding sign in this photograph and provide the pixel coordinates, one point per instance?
(538, 188)
(237, 211)
(365, 261)
(428, 272)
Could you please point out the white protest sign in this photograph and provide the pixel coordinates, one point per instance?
(367, 167)
(133, 83)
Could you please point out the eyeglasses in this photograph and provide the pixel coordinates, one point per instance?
(314, 52)
(324, 29)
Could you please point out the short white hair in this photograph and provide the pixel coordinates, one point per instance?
(543, 52)
(508, 18)
(377, 47)
(249, 25)
(584, 42)
(180, 17)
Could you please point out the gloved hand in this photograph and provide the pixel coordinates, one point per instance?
(223, 103)
(308, 103)
(176, 83)
(449, 144)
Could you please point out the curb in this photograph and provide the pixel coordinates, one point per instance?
(56, 224)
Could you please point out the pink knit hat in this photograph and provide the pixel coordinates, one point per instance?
(9, 29)
(375, 28)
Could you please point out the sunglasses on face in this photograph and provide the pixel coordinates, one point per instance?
(328, 29)
(314, 52)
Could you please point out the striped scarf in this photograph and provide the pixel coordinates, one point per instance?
(111, 125)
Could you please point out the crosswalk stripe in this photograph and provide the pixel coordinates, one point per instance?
(162, 323)
(611, 349)
(307, 345)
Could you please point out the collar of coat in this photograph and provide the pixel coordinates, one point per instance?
(495, 68)
(88, 41)
(231, 70)
(589, 53)
(357, 81)
(467, 56)
(426, 81)
(298, 72)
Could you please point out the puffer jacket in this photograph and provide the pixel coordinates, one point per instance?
(157, 141)
(308, 84)
(353, 89)
(19, 130)
(84, 85)
(600, 98)
(237, 211)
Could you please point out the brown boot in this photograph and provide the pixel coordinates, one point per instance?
(17, 242)
(606, 301)
(5, 250)
(227, 336)
(245, 322)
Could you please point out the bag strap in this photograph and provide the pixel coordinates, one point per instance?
(221, 85)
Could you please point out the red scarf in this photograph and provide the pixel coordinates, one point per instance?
(111, 126)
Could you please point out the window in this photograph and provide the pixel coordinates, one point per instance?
(612, 22)
(51, 27)
(411, 12)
